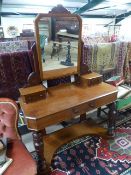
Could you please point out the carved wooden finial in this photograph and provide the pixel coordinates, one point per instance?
(59, 9)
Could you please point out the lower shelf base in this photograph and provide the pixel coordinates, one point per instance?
(63, 136)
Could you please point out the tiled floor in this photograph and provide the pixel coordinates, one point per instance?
(28, 141)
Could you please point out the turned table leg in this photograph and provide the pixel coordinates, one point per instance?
(39, 147)
(112, 114)
(82, 117)
(99, 112)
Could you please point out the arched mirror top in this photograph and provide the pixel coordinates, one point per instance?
(58, 40)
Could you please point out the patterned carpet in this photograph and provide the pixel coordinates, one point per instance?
(92, 155)
(95, 155)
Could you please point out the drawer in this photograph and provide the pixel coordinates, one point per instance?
(80, 109)
(70, 113)
(93, 104)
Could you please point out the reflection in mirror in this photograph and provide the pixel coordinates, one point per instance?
(58, 38)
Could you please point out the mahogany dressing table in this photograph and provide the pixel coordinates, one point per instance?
(44, 106)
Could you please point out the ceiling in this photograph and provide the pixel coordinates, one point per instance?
(86, 8)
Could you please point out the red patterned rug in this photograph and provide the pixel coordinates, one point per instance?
(92, 155)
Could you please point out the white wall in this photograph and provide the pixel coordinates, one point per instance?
(19, 22)
(96, 25)
(125, 29)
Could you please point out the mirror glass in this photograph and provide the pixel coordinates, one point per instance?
(58, 38)
(58, 42)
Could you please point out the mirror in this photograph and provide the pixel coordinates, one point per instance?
(58, 38)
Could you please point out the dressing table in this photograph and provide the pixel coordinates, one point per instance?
(44, 106)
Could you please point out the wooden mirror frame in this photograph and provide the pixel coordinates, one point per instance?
(58, 11)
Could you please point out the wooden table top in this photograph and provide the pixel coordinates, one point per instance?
(66, 96)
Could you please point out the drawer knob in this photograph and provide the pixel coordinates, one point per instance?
(75, 111)
(92, 105)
